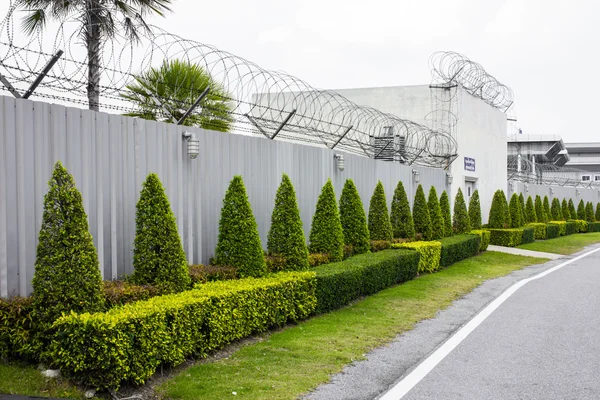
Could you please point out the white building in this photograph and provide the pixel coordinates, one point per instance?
(478, 128)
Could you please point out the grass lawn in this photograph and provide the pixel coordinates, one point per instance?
(564, 244)
(288, 363)
(28, 381)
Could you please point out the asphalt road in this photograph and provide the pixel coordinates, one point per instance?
(543, 342)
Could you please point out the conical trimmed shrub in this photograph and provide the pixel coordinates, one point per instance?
(67, 274)
(158, 256)
(539, 210)
(564, 208)
(547, 209)
(581, 210)
(530, 216)
(589, 212)
(572, 210)
(446, 214)
(515, 212)
(435, 213)
(286, 237)
(555, 210)
(421, 216)
(598, 212)
(354, 219)
(506, 211)
(475, 211)
(522, 207)
(239, 244)
(460, 220)
(401, 217)
(326, 232)
(380, 227)
(497, 218)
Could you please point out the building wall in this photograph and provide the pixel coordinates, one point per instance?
(110, 156)
(479, 129)
(481, 135)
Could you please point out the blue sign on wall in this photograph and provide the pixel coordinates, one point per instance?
(469, 164)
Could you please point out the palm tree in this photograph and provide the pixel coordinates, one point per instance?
(99, 20)
(177, 85)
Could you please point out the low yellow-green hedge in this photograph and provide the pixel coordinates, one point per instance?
(128, 343)
(431, 253)
(484, 237)
(562, 227)
(539, 229)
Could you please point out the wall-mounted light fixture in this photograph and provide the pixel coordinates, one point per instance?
(527, 188)
(193, 144)
(511, 185)
(449, 178)
(340, 161)
(577, 192)
(416, 176)
(551, 190)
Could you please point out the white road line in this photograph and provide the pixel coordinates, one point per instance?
(421, 371)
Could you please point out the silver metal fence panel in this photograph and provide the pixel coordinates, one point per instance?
(110, 157)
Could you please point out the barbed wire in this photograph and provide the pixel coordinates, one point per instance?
(524, 170)
(256, 99)
(448, 67)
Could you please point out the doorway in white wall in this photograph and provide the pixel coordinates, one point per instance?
(470, 187)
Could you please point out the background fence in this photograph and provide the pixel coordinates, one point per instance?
(110, 156)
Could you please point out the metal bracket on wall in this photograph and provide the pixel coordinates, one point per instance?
(37, 80)
(417, 156)
(382, 149)
(341, 137)
(43, 74)
(285, 121)
(193, 107)
(161, 105)
(10, 87)
(257, 126)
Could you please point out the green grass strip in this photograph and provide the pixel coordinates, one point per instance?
(26, 380)
(288, 363)
(565, 244)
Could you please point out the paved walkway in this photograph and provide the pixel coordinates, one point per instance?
(542, 342)
(523, 252)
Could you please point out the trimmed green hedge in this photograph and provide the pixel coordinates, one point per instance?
(506, 237)
(380, 227)
(539, 230)
(528, 234)
(552, 231)
(353, 219)
(129, 343)
(582, 226)
(286, 236)
(238, 243)
(67, 274)
(562, 227)
(158, 255)
(431, 253)
(484, 237)
(340, 283)
(594, 227)
(326, 231)
(457, 248)
(571, 227)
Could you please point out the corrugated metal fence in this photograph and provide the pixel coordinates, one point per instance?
(110, 156)
(552, 191)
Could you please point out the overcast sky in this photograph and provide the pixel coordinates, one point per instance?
(547, 51)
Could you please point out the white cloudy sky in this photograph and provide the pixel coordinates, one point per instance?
(547, 51)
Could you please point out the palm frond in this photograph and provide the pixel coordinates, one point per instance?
(36, 20)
